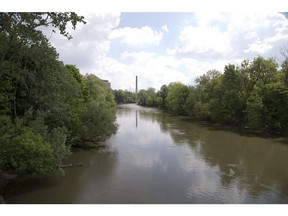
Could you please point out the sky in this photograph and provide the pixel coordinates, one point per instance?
(169, 41)
(165, 47)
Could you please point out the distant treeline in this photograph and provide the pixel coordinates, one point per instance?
(124, 96)
(45, 106)
(254, 94)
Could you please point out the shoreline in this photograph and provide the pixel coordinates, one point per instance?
(241, 129)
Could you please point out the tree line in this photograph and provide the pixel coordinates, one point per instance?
(124, 96)
(46, 107)
(253, 94)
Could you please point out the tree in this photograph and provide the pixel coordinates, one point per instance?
(124, 96)
(275, 101)
(208, 95)
(141, 97)
(147, 97)
(163, 94)
(258, 72)
(233, 103)
(151, 98)
(22, 150)
(18, 29)
(190, 102)
(255, 110)
(98, 121)
(119, 96)
(176, 97)
(284, 70)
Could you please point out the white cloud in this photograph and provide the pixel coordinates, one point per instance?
(207, 41)
(251, 35)
(201, 40)
(90, 42)
(258, 47)
(137, 36)
(140, 57)
(232, 36)
(165, 28)
(256, 34)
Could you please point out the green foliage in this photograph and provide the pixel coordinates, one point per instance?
(148, 98)
(255, 110)
(97, 121)
(275, 101)
(176, 98)
(45, 106)
(209, 94)
(141, 97)
(24, 151)
(201, 111)
(124, 96)
(19, 30)
(254, 94)
(284, 71)
(232, 103)
(163, 94)
(5, 96)
(190, 103)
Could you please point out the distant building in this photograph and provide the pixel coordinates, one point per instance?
(108, 84)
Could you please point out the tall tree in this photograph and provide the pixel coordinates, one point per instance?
(18, 29)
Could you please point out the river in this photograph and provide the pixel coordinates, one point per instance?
(156, 157)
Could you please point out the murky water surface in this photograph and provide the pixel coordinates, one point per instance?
(158, 158)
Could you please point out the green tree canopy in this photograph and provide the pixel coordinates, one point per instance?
(45, 106)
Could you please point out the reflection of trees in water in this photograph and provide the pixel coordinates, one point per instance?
(21, 187)
(156, 115)
(78, 181)
(98, 168)
(251, 163)
(254, 162)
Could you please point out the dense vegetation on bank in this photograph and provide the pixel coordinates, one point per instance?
(45, 106)
(124, 96)
(254, 94)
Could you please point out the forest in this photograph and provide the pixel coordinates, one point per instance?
(46, 107)
(252, 95)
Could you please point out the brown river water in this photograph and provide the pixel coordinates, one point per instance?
(156, 157)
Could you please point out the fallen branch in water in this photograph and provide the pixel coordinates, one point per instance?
(71, 165)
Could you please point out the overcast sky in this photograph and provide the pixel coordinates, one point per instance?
(161, 48)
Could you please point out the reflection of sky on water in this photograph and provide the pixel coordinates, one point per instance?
(155, 143)
(141, 145)
(146, 159)
(150, 147)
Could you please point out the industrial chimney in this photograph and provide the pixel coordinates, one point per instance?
(136, 85)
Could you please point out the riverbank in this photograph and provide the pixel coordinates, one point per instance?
(240, 129)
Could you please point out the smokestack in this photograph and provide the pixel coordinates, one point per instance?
(136, 84)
